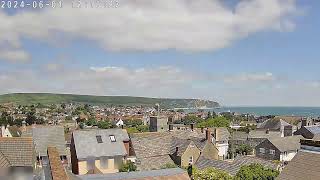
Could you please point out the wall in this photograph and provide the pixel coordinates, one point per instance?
(113, 165)
(267, 145)
(193, 151)
(222, 150)
(287, 157)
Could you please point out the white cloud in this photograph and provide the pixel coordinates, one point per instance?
(151, 25)
(249, 77)
(14, 55)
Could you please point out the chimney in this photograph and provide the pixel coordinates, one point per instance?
(24, 127)
(208, 135)
(177, 149)
(192, 126)
(3, 128)
(122, 126)
(170, 127)
(201, 129)
(127, 147)
(267, 131)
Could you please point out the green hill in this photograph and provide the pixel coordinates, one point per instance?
(46, 98)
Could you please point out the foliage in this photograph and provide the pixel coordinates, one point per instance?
(244, 149)
(47, 98)
(168, 166)
(81, 125)
(210, 174)
(104, 124)
(31, 118)
(215, 122)
(256, 172)
(138, 129)
(192, 119)
(133, 123)
(91, 122)
(127, 167)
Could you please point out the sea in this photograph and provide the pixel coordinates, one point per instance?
(264, 111)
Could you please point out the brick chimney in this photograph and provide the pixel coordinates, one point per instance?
(208, 135)
(127, 146)
(192, 126)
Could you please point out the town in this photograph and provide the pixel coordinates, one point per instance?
(83, 141)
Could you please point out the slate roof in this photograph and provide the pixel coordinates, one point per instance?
(159, 146)
(44, 137)
(14, 131)
(305, 165)
(4, 162)
(222, 134)
(162, 174)
(273, 124)
(232, 167)
(16, 151)
(313, 129)
(288, 143)
(86, 143)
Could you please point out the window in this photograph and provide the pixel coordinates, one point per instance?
(99, 139)
(90, 164)
(191, 160)
(272, 151)
(262, 150)
(112, 138)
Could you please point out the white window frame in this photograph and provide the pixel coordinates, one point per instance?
(113, 138)
(104, 162)
(272, 151)
(262, 150)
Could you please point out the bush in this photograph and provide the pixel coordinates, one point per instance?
(104, 124)
(210, 174)
(256, 171)
(127, 167)
(244, 149)
(214, 122)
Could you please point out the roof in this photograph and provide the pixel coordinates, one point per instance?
(86, 143)
(222, 134)
(305, 165)
(264, 134)
(160, 145)
(313, 129)
(273, 124)
(49, 136)
(288, 143)
(14, 131)
(17, 151)
(232, 167)
(172, 174)
(57, 170)
(4, 162)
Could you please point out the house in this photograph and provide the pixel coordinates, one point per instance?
(120, 123)
(308, 132)
(281, 148)
(221, 141)
(99, 151)
(158, 124)
(232, 167)
(156, 150)
(162, 174)
(10, 131)
(46, 136)
(55, 170)
(17, 155)
(285, 128)
(305, 165)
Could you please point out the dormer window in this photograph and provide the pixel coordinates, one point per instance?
(99, 139)
(112, 138)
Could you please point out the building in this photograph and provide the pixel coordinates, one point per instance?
(99, 151)
(156, 150)
(49, 136)
(221, 141)
(281, 148)
(308, 132)
(17, 155)
(158, 124)
(305, 165)
(10, 131)
(285, 128)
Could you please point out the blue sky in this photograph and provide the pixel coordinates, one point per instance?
(237, 52)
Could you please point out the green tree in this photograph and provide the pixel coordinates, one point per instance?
(192, 119)
(127, 167)
(91, 122)
(210, 174)
(215, 122)
(104, 124)
(256, 172)
(31, 118)
(244, 149)
(209, 116)
(214, 114)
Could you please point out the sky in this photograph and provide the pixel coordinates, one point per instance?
(236, 52)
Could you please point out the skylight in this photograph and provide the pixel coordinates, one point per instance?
(112, 138)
